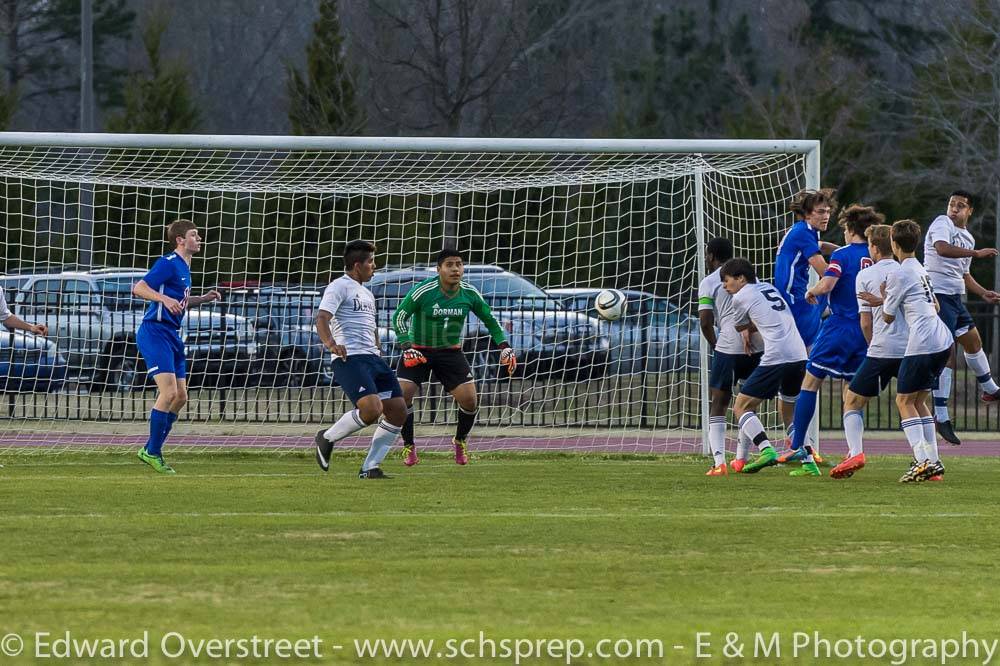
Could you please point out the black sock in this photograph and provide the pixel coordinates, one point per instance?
(407, 431)
(465, 423)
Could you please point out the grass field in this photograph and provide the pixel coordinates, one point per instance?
(515, 546)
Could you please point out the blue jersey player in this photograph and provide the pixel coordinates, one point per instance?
(840, 346)
(167, 286)
(799, 250)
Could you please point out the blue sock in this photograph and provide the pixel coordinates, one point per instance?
(159, 423)
(805, 407)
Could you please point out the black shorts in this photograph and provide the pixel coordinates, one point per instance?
(874, 376)
(920, 372)
(768, 380)
(450, 367)
(955, 314)
(727, 369)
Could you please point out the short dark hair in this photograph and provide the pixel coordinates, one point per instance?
(857, 218)
(805, 201)
(178, 229)
(738, 267)
(879, 236)
(906, 234)
(721, 249)
(969, 196)
(448, 253)
(355, 251)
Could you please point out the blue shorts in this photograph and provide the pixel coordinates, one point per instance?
(874, 376)
(366, 374)
(839, 349)
(955, 315)
(162, 349)
(920, 372)
(807, 320)
(767, 380)
(727, 369)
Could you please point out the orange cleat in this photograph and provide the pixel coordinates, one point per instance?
(736, 466)
(848, 467)
(718, 470)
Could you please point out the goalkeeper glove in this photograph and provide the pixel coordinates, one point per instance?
(413, 358)
(508, 359)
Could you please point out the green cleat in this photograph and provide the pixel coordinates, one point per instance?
(156, 462)
(766, 458)
(807, 469)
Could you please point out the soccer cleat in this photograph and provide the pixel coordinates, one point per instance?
(461, 452)
(324, 448)
(934, 472)
(791, 455)
(990, 398)
(916, 472)
(410, 455)
(947, 432)
(807, 469)
(373, 473)
(156, 462)
(737, 465)
(817, 458)
(848, 467)
(718, 470)
(766, 458)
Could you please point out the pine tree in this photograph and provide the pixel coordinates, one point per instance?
(158, 101)
(323, 101)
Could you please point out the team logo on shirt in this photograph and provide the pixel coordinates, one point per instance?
(363, 306)
(439, 311)
(866, 262)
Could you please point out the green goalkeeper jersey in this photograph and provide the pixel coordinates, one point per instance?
(428, 317)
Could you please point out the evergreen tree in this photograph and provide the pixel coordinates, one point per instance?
(323, 101)
(158, 101)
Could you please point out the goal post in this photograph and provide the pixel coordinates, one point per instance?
(543, 223)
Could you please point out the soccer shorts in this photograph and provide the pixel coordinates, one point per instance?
(449, 365)
(727, 369)
(838, 350)
(162, 349)
(955, 315)
(768, 380)
(920, 372)
(874, 376)
(807, 320)
(366, 374)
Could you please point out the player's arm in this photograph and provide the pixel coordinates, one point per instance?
(401, 325)
(828, 248)
(976, 289)
(15, 323)
(706, 319)
(207, 297)
(867, 325)
(949, 251)
(481, 308)
(821, 288)
(893, 290)
(143, 290)
(332, 298)
(818, 264)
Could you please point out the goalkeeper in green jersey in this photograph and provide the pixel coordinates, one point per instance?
(428, 325)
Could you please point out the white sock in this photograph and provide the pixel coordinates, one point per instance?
(348, 424)
(980, 365)
(742, 445)
(941, 396)
(754, 429)
(930, 438)
(854, 428)
(382, 441)
(914, 431)
(717, 438)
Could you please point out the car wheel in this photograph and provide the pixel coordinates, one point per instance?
(123, 377)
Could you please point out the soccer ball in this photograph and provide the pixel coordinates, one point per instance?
(611, 304)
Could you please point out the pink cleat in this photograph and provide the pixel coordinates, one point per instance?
(410, 455)
(461, 452)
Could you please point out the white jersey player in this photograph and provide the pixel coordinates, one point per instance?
(346, 324)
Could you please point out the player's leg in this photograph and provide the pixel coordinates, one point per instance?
(763, 384)
(410, 390)
(720, 386)
(468, 406)
(392, 415)
(917, 374)
(181, 394)
(976, 359)
(951, 307)
(159, 422)
(352, 376)
(873, 376)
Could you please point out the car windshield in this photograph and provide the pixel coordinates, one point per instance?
(288, 313)
(117, 293)
(511, 292)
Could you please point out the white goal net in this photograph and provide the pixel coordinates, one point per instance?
(543, 226)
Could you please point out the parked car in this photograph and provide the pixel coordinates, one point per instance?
(654, 334)
(92, 318)
(549, 339)
(29, 363)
